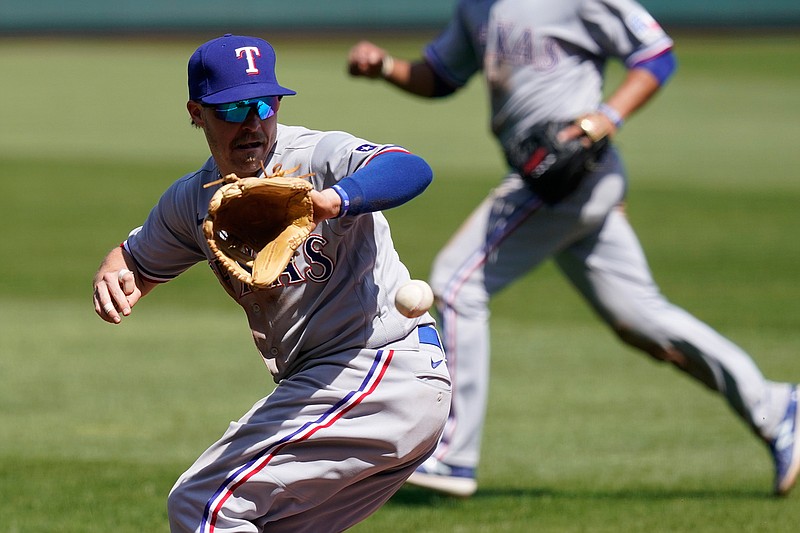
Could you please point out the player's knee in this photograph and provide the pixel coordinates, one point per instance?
(179, 507)
(668, 353)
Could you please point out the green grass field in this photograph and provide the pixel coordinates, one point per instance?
(583, 434)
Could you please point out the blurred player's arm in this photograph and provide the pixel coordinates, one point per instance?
(641, 82)
(639, 85)
(417, 77)
(114, 294)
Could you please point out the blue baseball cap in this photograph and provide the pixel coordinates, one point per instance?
(232, 68)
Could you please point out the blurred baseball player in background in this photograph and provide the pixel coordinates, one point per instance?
(543, 61)
(362, 396)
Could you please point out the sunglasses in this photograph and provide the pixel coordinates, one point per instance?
(238, 111)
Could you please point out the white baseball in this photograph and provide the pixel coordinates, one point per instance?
(414, 298)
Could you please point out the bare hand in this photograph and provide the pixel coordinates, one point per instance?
(327, 204)
(366, 59)
(591, 128)
(115, 288)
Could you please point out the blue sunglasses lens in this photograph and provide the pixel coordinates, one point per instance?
(238, 111)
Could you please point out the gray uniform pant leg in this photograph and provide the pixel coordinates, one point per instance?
(325, 450)
(610, 270)
(509, 234)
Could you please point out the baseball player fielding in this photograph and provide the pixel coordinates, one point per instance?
(414, 298)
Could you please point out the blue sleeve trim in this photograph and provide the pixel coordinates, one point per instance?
(389, 179)
(662, 66)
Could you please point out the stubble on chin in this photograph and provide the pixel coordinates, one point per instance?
(253, 164)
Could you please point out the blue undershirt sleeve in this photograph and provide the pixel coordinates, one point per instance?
(390, 179)
(661, 66)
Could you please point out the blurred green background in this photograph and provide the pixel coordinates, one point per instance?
(583, 434)
(270, 15)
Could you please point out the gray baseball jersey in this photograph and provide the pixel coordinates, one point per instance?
(363, 392)
(351, 259)
(544, 61)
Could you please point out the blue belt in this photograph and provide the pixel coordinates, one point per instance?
(429, 335)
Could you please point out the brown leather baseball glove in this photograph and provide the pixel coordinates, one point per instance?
(254, 225)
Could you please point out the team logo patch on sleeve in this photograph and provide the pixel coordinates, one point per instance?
(644, 27)
(366, 148)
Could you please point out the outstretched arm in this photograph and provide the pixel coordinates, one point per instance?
(640, 84)
(369, 60)
(390, 179)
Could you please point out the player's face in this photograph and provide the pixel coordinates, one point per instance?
(238, 147)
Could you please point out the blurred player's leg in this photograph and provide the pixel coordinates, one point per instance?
(506, 237)
(612, 273)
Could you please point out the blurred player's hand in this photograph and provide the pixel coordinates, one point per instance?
(366, 59)
(589, 128)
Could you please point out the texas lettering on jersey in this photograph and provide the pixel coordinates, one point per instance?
(316, 267)
(513, 44)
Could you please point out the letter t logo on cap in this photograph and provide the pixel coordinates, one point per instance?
(250, 52)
